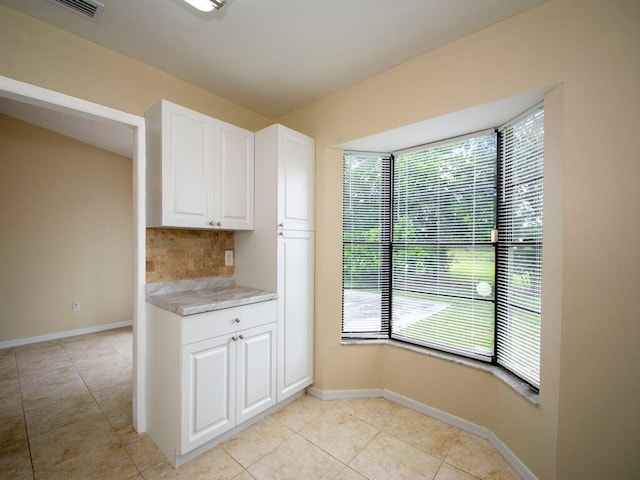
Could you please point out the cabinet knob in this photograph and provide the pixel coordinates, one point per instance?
(281, 234)
(237, 320)
(241, 337)
(234, 338)
(281, 225)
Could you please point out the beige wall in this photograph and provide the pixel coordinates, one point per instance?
(588, 423)
(66, 226)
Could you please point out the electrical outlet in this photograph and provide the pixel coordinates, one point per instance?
(75, 306)
(228, 258)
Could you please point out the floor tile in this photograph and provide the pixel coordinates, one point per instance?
(112, 361)
(106, 461)
(10, 404)
(87, 348)
(216, 464)
(256, 441)
(8, 365)
(62, 413)
(33, 362)
(162, 471)
(41, 348)
(377, 412)
(339, 434)
(349, 474)
(449, 472)
(112, 397)
(423, 432)
(120, 418)
(387, 458)
(296, 459)
(244, 476)
(478, 457)
(32, 380)
(15, 461)
(62, 444)
(143, 451)
(301, 411)
(75, 395)
(9, 387)
(52, 390)
(104, 371)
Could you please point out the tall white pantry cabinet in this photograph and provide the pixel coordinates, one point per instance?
(279, 254)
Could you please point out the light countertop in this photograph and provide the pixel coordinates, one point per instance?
(189, 297)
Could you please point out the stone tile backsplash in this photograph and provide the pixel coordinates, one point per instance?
(175, 254)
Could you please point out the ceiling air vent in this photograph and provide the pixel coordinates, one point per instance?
(87, 8)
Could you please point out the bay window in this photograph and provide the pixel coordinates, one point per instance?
(442, 245)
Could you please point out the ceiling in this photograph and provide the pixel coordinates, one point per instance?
(275, 56)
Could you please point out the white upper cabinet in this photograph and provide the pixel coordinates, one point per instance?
(296, 153)
(236, 190)
(199, 171)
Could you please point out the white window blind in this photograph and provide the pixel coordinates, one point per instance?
(442, 254)
(519, 273)
(366, 234)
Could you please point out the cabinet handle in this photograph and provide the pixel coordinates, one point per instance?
(281, 234)
(234, 338)
(237, 320)
(215, 224)
(281, 225)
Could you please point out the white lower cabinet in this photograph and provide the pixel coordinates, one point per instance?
(225, 381)
(208, 373)
(295, 312)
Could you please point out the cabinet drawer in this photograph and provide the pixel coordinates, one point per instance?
(226, 321)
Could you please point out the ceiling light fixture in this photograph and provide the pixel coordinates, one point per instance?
(206, 5)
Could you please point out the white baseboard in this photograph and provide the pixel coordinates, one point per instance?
(465, 425)
(58, 335)
(344, 394)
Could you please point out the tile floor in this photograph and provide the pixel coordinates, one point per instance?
(65, 413)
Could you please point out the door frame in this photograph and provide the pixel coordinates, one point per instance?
(76, 107)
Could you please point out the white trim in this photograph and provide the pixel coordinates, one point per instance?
(445, 417)
(65, 334)
(465, 425)
(344, 394)
(59, 102)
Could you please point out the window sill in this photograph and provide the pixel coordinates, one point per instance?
(513, 382)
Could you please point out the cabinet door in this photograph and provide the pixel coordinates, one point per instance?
(296, 180)
(208, 390)
(295, 312)
(256, 371)
(187, 167)
(234, 193)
